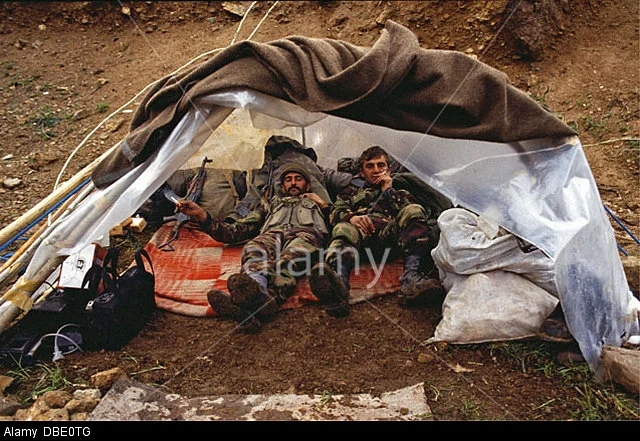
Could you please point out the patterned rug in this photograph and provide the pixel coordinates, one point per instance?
(199, 263)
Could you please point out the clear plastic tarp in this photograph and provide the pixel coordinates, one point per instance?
(541, 190)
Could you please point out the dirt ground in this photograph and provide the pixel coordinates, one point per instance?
(66, 66)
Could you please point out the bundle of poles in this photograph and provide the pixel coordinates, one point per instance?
(49, 212)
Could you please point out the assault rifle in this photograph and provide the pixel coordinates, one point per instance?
(193, 194)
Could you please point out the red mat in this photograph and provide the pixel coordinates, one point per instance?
(199, 263)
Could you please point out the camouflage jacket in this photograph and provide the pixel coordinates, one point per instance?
(361, 198)
(279, 212)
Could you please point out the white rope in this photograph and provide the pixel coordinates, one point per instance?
(119, 110)
(263, 19)
(611, 141)
(122, 107)
(244, 16)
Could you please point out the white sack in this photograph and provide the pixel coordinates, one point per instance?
(492, 306)
(470, 244)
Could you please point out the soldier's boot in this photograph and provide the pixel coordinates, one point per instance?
(415, 287)
(331, 287)
(284, 284)
(250, 292)
(223, 305)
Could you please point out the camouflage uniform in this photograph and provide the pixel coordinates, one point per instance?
(291, 232)
(401, 224)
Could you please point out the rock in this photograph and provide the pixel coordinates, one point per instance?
(382, 18)
(5, 382)
(79, 416)
(11, 183)
(56, 399)
(41, 159)
(36, 412)
(425, 358)
(85, 394)
(534, 24)
(631, 265)
(105, 379)
(114, 125)
(55, 415)
(57, 405)
(81, 406)
(80, 114)
(8, 407)
(132, 401)
(234, 8)
(622, 366)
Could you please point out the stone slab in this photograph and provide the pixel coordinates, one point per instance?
(129, 400)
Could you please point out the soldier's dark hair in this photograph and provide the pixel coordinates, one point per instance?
(370, 153)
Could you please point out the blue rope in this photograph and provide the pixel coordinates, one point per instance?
(623, 251)
(621, 224)
(35, 222)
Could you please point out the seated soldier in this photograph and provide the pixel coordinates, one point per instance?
(376, 217)
(292, 229)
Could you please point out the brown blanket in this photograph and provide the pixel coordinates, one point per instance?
(394, 83)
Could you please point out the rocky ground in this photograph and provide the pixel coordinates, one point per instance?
(66, 67)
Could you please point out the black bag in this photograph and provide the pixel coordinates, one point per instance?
(123, 306)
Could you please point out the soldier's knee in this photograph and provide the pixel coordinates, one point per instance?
(410, 213)
(346, 231)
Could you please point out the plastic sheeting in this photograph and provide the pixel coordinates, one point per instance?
(541, 190)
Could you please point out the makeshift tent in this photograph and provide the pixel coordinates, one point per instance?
(453, 121)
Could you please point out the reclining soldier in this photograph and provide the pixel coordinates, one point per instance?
(292, 229)
(375, 216)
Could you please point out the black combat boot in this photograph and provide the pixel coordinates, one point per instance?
(223, 305)
(415, 287)
(331, 287)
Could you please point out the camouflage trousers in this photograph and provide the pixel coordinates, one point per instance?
(282, 255)
(410, 232)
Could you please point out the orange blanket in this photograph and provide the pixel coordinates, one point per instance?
(199, 263)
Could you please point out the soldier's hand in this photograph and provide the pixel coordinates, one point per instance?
(364, 224)
(385, 180)
(191, 209)
(317, 199)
